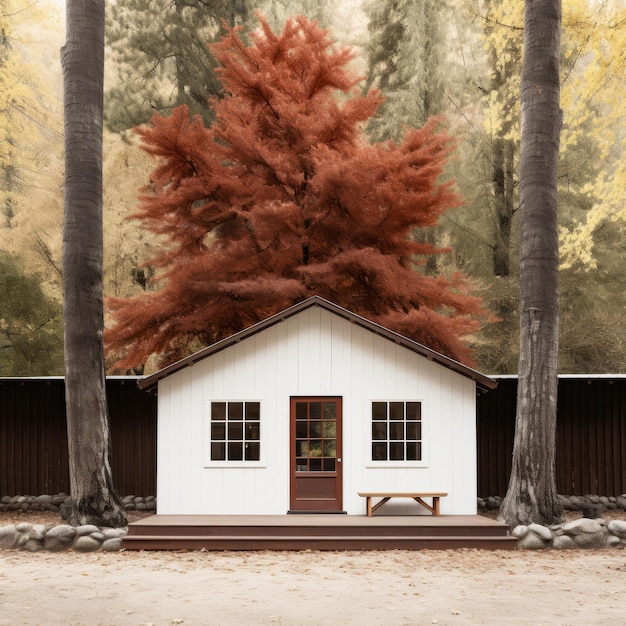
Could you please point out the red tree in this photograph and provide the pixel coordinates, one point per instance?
(283, 198)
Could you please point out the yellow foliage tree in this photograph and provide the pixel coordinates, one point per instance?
(593, 59)
(594, 103)
(30, 129)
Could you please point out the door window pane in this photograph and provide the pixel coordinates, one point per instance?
(315, 465)
(315, 410)
(315, 429)
(330, 448)
(315, 447)
(330, 411)
(330, 430)
(302, 448)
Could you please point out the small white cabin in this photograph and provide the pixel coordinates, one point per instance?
(300, 412)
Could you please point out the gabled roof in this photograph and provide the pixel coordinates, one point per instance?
(483, 382)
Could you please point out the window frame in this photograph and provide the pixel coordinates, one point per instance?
(424, 440)
(208, 436)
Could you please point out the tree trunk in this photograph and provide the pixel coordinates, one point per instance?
(503, 155)
(95, 500)
(532, 495)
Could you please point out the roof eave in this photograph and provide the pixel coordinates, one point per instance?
(484, 383)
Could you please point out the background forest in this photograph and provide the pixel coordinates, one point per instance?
(460, 60)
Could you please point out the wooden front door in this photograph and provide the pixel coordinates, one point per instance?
(315, 458)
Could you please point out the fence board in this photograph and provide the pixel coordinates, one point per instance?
(591, 436)
(33, 437)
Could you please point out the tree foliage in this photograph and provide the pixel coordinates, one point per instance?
(30, 324)
(593, 98)
(592, 172)
(282, 198)
(26, 129)
(161, 57)
(409, 61)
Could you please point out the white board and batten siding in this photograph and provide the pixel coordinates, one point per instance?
(313, 353)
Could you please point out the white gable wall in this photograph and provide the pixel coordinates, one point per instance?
(314, 353)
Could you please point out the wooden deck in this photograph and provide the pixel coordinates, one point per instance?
(317, 532)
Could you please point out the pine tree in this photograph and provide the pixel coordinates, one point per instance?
(161, 58)
(31, 325)
(283, 198)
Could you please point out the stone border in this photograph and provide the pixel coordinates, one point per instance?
(86, 538)
(36, 537)
(569, 503)
(60, 503)
(581, 533)
(590, 531)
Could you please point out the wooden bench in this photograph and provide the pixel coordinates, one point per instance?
(415, 495)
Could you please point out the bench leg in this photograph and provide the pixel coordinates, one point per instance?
(434, 509)
(370, 508)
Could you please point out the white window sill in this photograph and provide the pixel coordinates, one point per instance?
(396, 464)
(234, 464)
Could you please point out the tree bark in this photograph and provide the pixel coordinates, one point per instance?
(532, 494)
(503, 156)
(95, 500)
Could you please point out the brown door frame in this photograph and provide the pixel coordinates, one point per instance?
(324, 504)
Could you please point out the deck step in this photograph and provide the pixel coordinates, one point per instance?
(217, 530)
(313, 542)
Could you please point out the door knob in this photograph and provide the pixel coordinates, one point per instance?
(339, 460)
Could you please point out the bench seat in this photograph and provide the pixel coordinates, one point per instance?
(415, 495)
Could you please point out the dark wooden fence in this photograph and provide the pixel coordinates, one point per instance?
(591, 437)
(33, 437)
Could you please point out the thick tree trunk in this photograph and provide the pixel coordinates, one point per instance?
(532, 495)
(95, 500)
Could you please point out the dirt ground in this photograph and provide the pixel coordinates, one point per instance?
(313, 588)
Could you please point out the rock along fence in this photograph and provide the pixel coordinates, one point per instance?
(580, 533)
(590, 531)
(586, 532)
(85, 538)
